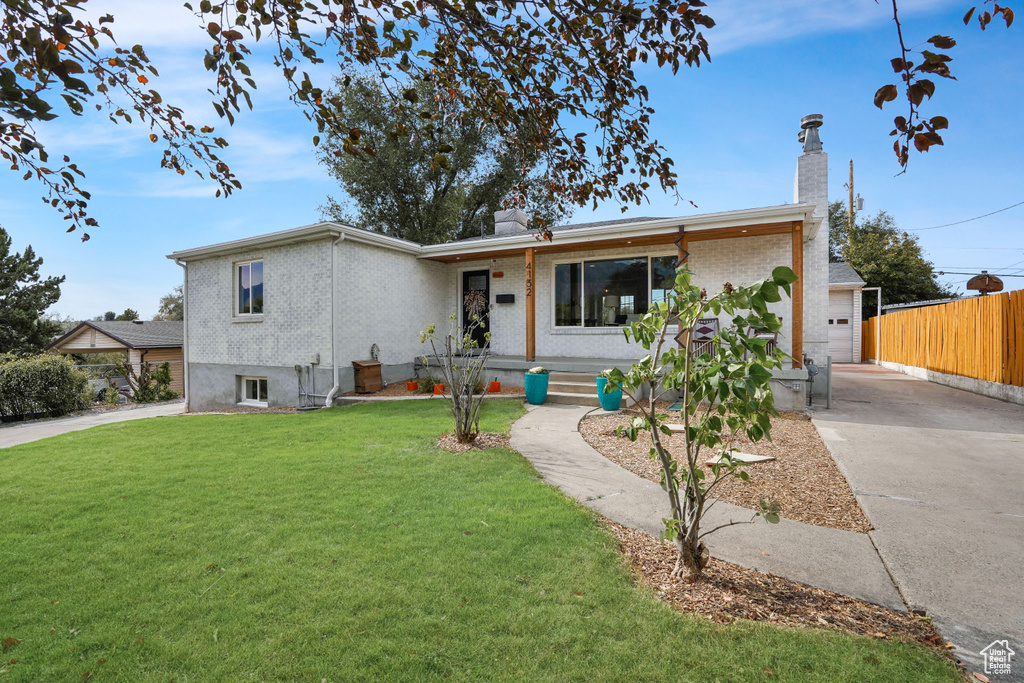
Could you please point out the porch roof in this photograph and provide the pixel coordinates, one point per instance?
(636, 232)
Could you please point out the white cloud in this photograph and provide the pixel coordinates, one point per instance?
(748, 23)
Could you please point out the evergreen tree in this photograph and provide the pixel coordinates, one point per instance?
(24, 296)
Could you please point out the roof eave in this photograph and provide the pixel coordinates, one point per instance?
(787, 212)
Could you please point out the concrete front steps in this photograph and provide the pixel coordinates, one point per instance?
(574, 388)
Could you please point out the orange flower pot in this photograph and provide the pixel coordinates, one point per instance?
(494, 387)
(438, 389)
(412, 386)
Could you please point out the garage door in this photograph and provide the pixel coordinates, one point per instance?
(841, 325)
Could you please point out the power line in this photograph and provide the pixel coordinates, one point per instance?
(966, 220)
(954, 272)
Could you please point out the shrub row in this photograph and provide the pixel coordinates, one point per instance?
(40, 386)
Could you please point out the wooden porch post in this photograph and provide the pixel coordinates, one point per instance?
(531, 307)
(798, 295)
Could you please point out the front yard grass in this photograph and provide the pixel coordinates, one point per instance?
(344, 545)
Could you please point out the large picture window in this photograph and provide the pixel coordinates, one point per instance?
(250, 288)
(610, 292)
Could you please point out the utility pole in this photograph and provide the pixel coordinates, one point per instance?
(850, 205)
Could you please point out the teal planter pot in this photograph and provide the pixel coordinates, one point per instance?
(536, 388)
(610, 401)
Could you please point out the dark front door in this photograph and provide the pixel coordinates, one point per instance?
(476, 296)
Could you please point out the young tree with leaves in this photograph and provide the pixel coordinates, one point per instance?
(398, 185)
(884, 256)
(725, 391)
(558, 78)
(24, 296)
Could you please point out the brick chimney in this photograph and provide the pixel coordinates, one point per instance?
(811, 187)
(510, 222)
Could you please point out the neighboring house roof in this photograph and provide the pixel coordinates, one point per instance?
(843, 274)
(135, 334)
(569, 234)
(927, 302)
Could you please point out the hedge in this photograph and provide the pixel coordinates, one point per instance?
(46, 385)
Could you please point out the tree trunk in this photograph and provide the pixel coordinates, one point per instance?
(691, 561)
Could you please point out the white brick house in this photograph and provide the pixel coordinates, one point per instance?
(266, 313)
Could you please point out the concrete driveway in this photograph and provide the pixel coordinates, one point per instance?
(940, 474)
(26, 432)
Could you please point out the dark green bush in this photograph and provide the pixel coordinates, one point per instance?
(39, 386)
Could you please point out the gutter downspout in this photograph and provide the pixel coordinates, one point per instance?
(184, 339)
(334, 322)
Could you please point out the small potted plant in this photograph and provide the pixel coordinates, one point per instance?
(610, 400)
(536, 383)
(494, 387)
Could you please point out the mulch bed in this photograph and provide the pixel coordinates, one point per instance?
(727, 593)
(245, 409)
(483, 440)
(803, 478)
(399, 389)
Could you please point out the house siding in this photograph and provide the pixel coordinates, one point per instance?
(387, 298)
(296, 324)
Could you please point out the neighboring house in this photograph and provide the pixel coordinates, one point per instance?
(265, 314)
(844, 313)
(146, 341)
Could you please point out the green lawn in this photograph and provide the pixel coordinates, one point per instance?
(343, 545)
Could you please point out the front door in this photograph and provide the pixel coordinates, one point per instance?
(476, 296)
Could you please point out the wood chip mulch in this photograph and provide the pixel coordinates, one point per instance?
(803, 478)
(399, 389)
(483, 440)
(727, 593)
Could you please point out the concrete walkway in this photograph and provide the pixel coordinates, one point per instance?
(27, 432)
(840, 561)
(940, 474)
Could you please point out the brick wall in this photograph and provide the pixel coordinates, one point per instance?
(388, 298)
(296, 314)
(811, 187)
(741, 261)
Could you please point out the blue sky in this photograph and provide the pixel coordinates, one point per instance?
(730, 125)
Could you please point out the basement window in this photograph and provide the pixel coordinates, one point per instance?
(254, 391)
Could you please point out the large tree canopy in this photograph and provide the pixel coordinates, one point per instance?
(23, 298)
(402, 191)
(884, 256)
(557, 77)
(172, 306)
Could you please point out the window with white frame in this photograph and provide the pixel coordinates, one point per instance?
(249, 282)
(610, 292)
(254, 391)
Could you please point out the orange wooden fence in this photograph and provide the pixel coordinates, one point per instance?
(982, 337)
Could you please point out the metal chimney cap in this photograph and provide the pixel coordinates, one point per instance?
(801, 136)
(812, 121)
